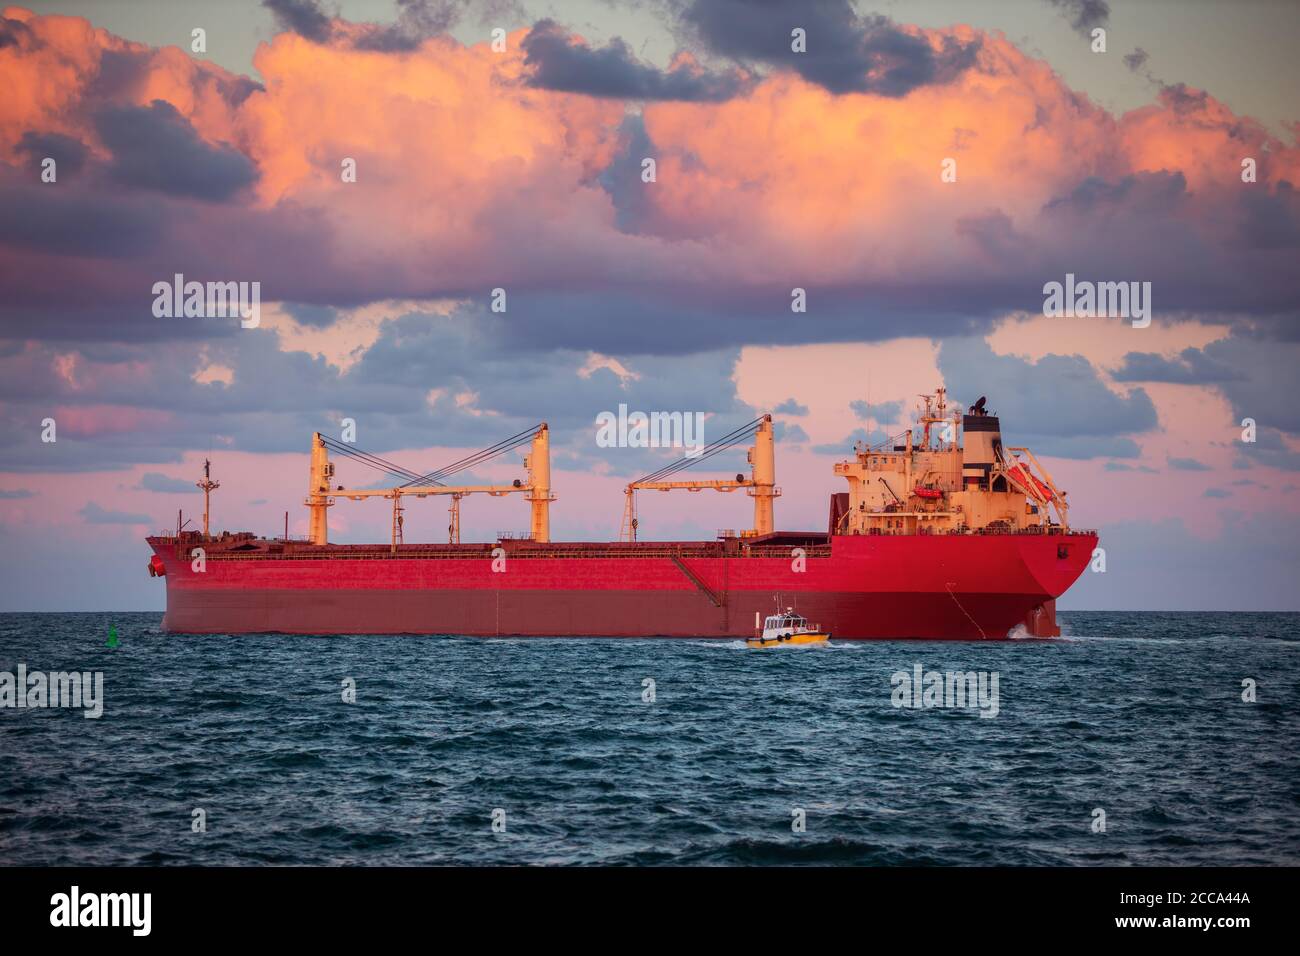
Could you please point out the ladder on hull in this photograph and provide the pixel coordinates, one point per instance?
(691, 576)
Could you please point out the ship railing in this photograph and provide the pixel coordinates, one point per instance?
(484, 551)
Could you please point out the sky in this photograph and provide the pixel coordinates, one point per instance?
(921, 170)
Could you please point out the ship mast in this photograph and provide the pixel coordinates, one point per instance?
(208, 486)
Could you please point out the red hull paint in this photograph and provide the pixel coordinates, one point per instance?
(924, 586)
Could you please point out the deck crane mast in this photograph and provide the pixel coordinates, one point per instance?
(536, 486)
(761, 485)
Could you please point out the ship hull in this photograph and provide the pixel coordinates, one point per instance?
(970, 587)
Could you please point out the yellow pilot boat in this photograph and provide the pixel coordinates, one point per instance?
(784, 630)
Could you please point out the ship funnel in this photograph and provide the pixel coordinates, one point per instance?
(982, 446)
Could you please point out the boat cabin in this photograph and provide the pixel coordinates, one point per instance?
(775, 625)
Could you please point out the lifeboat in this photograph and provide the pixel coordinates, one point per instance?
(929, 494)
(1021, 473)
(156, 567)
(788, 629)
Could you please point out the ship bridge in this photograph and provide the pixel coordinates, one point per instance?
(962, 479)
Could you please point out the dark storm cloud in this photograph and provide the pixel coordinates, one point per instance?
(40, 219)
(1271, 220)
(712, 316)
(1057, 405)
(846, 53)
(614, 72)
(1084, 15)
(154, 147)
(68, 152)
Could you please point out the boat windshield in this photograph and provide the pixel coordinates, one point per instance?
(785, 620)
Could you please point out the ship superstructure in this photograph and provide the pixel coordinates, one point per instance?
(938, 486)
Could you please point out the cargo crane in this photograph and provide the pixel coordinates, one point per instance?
(761, 485)
(536, 486)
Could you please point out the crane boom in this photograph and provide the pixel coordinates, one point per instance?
(537, 486)
(761, 483)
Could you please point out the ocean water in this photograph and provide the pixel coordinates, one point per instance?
(1139, 716)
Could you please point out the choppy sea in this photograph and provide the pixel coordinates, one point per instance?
(1126, 741)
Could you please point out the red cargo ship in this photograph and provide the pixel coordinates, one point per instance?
(934, 539)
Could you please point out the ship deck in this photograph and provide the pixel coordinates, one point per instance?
(247, 546)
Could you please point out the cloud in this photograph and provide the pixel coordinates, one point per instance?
(789, 432)
(303, 17)
(1217, 493)
(844, 448)
(94, 514)
(68, 152)
(75, 224)
(1191, 367)
(1188, 464)
(164, 484)
(1251, 368)
(880, 411)
(1084, 15)
(154, 147)
(1137, 59)
(417, 20)
(15, 493)
(755, 195)
(845, 53)
(1057, 405)
(565, 63)
(790, 407)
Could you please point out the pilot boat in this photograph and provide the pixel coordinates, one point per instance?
(786, 629)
